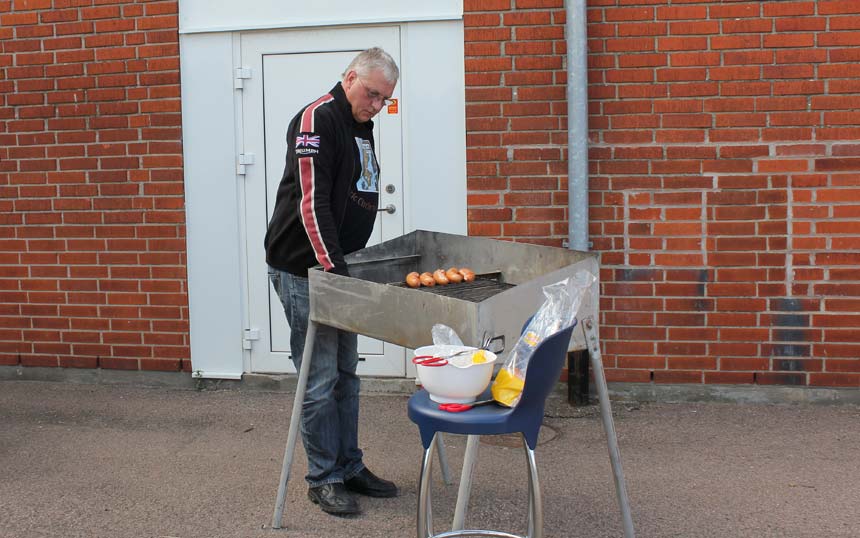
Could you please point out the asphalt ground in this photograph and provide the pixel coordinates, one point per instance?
(110, 461)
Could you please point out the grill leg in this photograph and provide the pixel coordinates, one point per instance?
(295, 421)
(443, 459)
(469, 459)
(590, 332)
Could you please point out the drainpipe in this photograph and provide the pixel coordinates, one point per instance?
(577, 124)
(577, 170)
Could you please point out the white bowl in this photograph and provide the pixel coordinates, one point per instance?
(460, 383)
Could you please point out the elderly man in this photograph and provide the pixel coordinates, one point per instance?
(325, 208)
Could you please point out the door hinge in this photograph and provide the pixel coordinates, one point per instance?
(241, 74)
(250, 336)
(242, 160)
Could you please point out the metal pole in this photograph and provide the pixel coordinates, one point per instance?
(425, 509)
(588, 329)
(295, 421)
(465, 490)
(443, 459)
(535, 499)
(577, 124)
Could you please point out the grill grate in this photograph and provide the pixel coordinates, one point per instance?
(483, 287)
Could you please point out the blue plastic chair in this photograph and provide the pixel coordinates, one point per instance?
(526, 418)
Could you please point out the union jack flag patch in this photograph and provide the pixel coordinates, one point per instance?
(306, 140)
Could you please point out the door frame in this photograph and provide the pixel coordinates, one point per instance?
(263, 308)
(434, 124)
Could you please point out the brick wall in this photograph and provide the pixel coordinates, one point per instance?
(725, 179)
(725, 176)
(92, 235)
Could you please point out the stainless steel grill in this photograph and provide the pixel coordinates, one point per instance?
(375, 302)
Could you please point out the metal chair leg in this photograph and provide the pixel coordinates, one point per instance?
(425, 516)
(535, 528)
(295, 421)
(590, 332)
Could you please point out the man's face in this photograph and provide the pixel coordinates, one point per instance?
(367, 95)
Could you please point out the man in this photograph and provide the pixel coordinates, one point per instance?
(325, 208)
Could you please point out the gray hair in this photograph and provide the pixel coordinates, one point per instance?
(372, 59)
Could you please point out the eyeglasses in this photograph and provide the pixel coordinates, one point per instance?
(374, 95)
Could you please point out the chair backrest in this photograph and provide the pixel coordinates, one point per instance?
(544, 370)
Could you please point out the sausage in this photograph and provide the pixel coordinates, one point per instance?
(439, 277)
(427, 280)
(453, 276)
(413, 280)
(468, 274)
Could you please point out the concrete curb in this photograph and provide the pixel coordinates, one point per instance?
(746, 394)
(631, 392)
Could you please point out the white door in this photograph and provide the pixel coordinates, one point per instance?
(289, 69)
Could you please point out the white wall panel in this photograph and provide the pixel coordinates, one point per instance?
(434, 127)
(208, 16)
(211, 205)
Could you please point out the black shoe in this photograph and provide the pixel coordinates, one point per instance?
(367, 483)
(334, 499)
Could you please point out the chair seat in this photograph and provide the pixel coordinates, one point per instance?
(489, 419)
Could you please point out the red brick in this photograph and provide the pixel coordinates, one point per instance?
(527, 18)
(638, 362)
(682, 13)
(834, 380)
(487, 34)
(482, 19)
(627, 376)
(485, 229)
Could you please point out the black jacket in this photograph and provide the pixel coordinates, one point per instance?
(328, 195)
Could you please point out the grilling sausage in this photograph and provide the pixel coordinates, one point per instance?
(439, 277)
(413, 280)
(468, 274)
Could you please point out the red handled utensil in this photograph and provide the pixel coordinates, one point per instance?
(457, 407)
(429, 360)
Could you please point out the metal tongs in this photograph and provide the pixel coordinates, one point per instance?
(485, 345)
(435, 360)
(488, 340)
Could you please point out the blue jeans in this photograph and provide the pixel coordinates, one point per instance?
(330, 407)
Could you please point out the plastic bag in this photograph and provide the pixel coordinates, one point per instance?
(444, 336)
(558, 311)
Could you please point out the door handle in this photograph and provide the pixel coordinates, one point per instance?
(390, 209)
